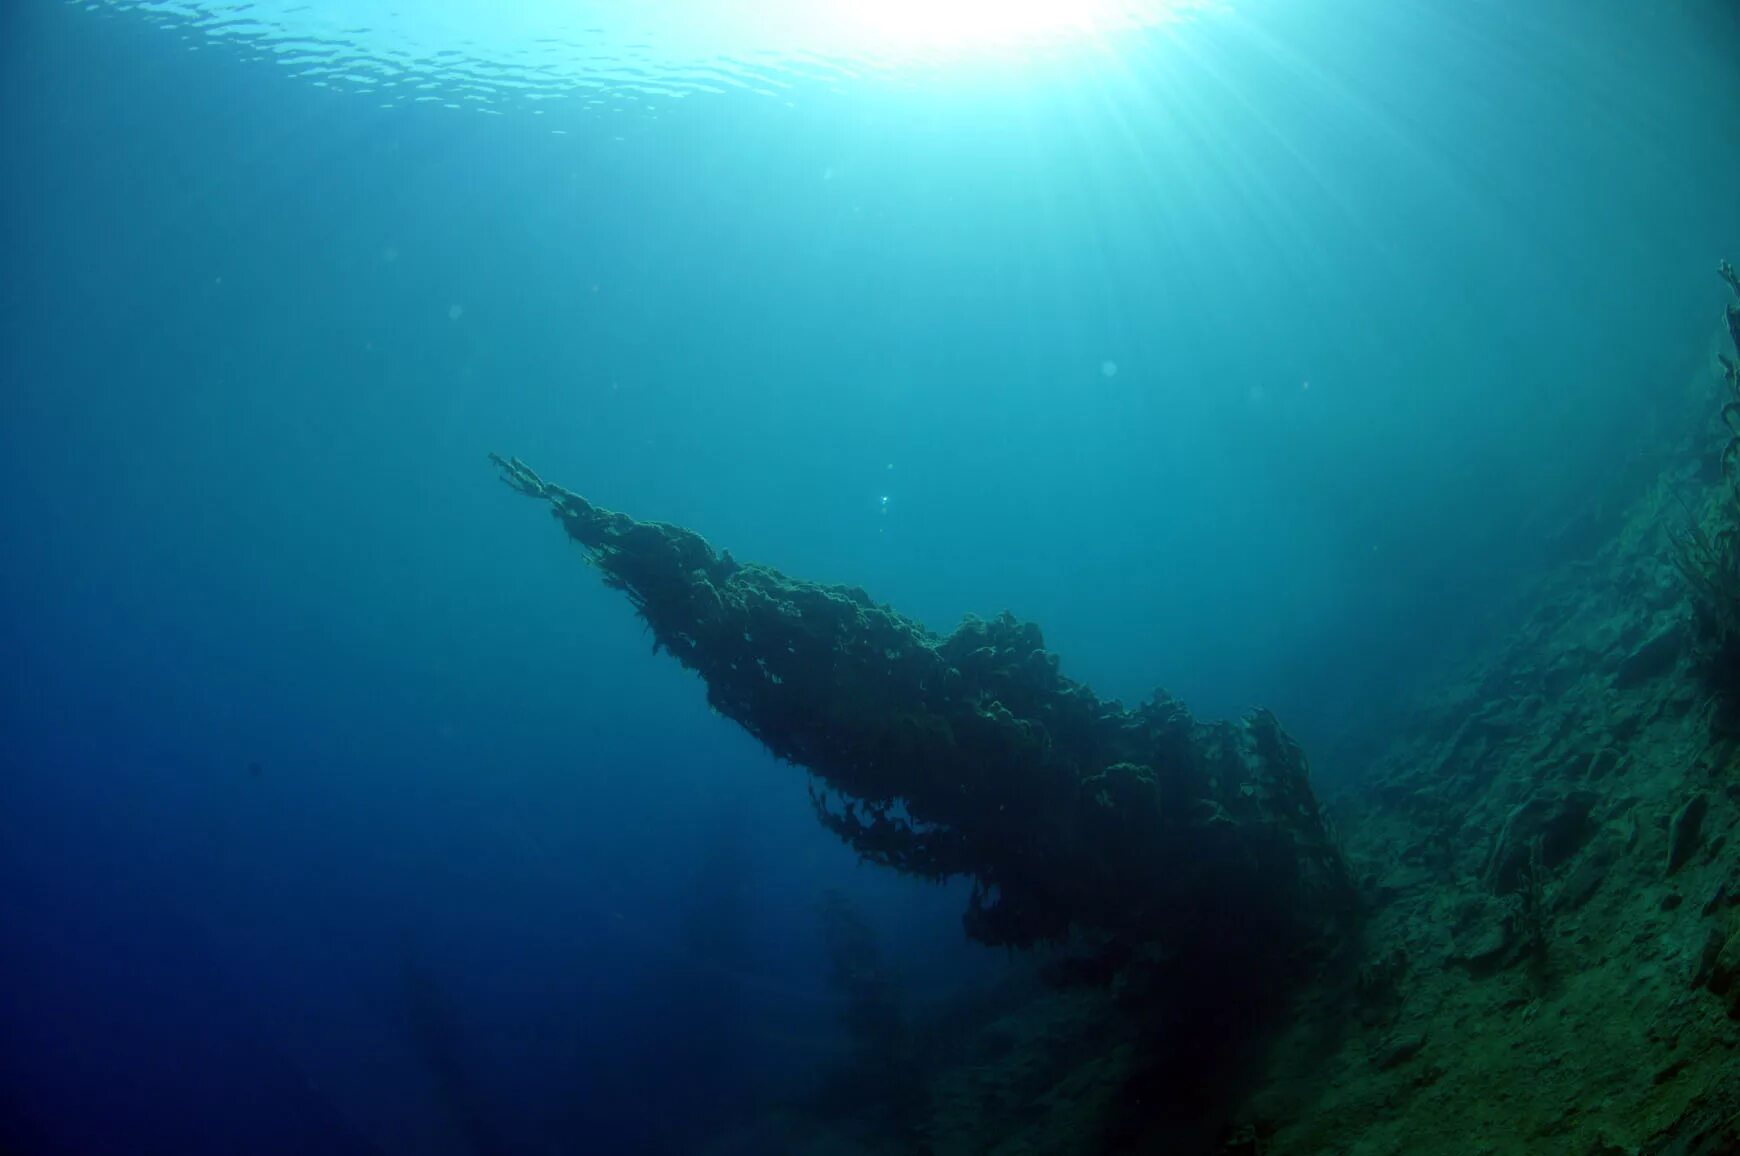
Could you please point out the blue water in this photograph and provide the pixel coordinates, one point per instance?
(1260, 355)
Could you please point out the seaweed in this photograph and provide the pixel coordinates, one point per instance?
(1196, 848)
(1706, 551)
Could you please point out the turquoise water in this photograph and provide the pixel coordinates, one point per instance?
(1259, 351)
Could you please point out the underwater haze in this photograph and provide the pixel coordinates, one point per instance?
(1262, 351)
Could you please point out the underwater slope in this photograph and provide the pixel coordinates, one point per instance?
(1553, 958)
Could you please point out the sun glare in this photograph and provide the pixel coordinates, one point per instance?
(904, 31)
(885, 33)
(953, 27)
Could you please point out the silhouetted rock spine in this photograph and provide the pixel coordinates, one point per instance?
(1198, 847)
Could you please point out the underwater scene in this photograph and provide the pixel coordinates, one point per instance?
(870, 578)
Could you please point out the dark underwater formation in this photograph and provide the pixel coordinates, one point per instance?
(1707, 550)
(1541, 954)
(1139, 831)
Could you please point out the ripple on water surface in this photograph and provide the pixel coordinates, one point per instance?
(493, 55)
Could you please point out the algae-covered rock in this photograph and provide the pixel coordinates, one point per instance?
(1550, 825)
(971, 755)
(1398, 1050)
(1653, 658)
(1721, 975)
(1590, 872)
(1686, 830)
(1725, 893)
(1481, 935)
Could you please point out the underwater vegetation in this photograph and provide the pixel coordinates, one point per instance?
(1190, 859)
(1707, 551)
